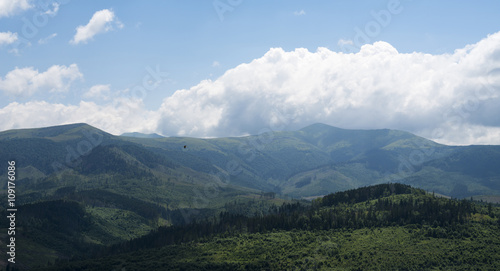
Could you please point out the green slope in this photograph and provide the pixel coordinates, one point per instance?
(383, 227)
(281, 162)
(117, 186)
(270, 161)
(113, 183)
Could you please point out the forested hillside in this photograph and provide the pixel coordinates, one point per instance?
(389, 226)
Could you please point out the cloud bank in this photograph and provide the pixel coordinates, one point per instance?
(445, 97)
(451, 98)
(102, 21)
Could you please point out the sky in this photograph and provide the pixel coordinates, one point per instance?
(238, 67)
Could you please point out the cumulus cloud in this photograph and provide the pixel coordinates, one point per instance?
(10, 7)
(102, 21)
(377, 87)
(98, 92)
(7, 38)
(26, 81)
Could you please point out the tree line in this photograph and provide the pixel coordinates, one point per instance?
(375, 206)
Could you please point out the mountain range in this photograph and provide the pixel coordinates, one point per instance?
(313, 161)
(80, 189)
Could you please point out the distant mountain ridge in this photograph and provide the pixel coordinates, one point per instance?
(48, 132)
(316, 160)
(141, 135)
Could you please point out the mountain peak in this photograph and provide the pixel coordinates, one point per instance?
(54, 132)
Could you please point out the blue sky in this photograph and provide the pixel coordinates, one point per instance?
(103, 75)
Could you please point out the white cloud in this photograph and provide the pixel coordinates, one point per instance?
(215, 64)
(343, 42)
(7, 38)
(27, 81)
(452, 98)
(378, 87)
(11, 7)
(54, 11)
(98, 92)
(299, 13)
(102, 21)
(46, 39)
